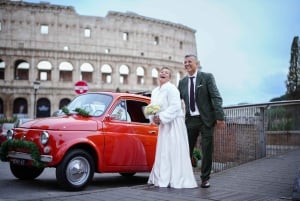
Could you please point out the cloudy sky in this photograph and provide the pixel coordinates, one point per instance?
(244, 43)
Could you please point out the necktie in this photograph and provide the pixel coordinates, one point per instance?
(192, 94)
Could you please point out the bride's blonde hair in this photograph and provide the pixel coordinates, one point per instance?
(167, 69)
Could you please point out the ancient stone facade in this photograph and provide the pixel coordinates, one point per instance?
(56, 46)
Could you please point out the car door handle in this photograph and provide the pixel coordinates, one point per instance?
(152, 132)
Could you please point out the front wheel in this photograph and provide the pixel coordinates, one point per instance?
(76, 170)
(25, 172)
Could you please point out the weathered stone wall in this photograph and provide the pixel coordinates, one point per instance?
(150, 44)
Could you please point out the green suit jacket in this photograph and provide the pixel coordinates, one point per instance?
(208, 98)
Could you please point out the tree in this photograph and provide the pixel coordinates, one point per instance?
(293, 78)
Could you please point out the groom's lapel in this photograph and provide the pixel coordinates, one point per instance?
(186, 88)
(199, 83)
(186, 83)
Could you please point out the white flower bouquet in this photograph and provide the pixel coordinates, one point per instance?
(151, 109)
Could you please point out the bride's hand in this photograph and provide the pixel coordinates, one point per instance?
(156, 119)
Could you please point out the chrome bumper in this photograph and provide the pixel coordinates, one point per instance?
(20, 155)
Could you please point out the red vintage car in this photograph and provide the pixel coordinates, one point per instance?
(101, 132)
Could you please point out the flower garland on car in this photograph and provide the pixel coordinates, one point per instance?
(35, 154)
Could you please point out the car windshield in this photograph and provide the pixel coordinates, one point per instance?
(93, 104)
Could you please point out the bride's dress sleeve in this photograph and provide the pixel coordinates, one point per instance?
(171, 105)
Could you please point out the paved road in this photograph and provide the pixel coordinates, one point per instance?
(268, 179)
(45, 185)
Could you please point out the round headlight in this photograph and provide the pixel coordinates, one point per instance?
(9, 134)
(44, 137)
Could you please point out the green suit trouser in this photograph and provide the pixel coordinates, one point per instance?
(195, 126)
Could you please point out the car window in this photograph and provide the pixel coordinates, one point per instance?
(130, 111)
(136, 111)
(120, 112)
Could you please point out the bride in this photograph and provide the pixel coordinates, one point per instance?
(172, 166)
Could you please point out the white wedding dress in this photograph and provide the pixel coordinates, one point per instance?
(172, 166)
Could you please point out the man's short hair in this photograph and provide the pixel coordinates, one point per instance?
(191, 55)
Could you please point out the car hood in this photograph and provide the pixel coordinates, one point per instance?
(67, 123)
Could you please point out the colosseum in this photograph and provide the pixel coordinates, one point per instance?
(47, 50)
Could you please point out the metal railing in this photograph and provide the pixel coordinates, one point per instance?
(256, 131)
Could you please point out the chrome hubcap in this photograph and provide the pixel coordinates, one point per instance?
(78, 170)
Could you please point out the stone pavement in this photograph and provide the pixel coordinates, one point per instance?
(267, 179)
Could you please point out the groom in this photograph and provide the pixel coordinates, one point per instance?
(204, 111)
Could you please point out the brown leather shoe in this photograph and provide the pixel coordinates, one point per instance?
(205, 184)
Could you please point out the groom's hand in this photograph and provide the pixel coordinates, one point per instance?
(220, 124)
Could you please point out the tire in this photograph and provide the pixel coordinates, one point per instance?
(25, 172)
(127, 174)
(76, 170)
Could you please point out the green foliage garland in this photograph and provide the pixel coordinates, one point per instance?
(78, 110)
(35, 154)
(66, 110)
(82, 112)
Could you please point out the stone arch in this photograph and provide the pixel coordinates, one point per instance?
(44, 70)
(65, 71)
(124, 74)
(64, 102)
(86, 72)
(106, 73)
(140, 73)
(179, 76)
(2, 69)
(20, 108)
(154, 75)
(21, 69)
(43, 108)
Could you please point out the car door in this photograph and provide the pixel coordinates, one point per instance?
(130, 139)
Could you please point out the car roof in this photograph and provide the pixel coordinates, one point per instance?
(122, 94)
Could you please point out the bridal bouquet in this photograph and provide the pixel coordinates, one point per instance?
(151, 109)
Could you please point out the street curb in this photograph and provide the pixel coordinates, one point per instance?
(296, 189)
